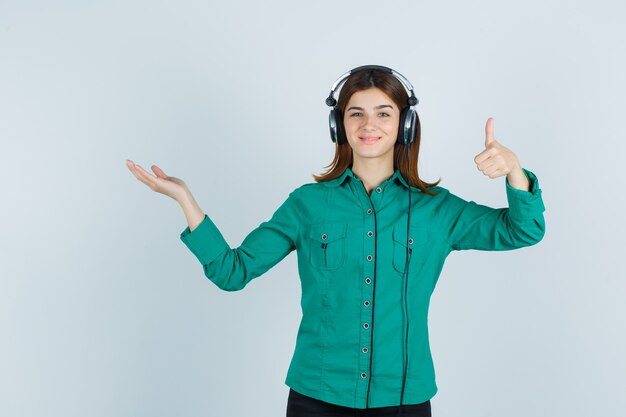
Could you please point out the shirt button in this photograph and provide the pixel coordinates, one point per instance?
(378, 189)
(369, 257)
(364, 350)
(363, 375)
(370, 233)
(368, 280)
(369, 211)
(366, 326)
(324, 236)
(410, 241)
(366, 303)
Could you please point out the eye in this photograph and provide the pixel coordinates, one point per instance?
(356, 113)
(386, 114)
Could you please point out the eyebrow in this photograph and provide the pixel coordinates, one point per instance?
(380, 106)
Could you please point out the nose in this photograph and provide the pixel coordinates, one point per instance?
(368, 128)
(367, 124)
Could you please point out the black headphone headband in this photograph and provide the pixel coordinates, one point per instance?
(408, 116)
(331, 101)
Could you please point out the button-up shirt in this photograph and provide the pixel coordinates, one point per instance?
(352, 253)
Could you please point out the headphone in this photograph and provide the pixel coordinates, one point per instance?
(408, 117)
(406, 135)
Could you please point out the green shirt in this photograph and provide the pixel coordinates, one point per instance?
(351, 250)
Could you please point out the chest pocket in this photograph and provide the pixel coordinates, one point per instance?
(328, 245)
(418, 239)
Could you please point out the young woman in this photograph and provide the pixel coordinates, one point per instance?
(367, 264)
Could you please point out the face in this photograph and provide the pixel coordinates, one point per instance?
(371, 123)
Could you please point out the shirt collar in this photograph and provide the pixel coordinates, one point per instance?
(396, 177)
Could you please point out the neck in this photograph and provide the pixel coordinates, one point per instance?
(372, 172)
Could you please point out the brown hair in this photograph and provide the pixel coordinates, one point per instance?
(390, 85)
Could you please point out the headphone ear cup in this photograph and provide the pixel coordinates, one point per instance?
(341, 133)
(406, 128)
(332, 124)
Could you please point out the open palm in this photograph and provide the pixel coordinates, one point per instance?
(161, 183)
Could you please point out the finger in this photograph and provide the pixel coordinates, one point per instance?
(130, 164)
(489, 138)
(487, 172)
(158, 171)
(497, 159)
(491, 169)
(488, 164)
(144, 176)
(132, 167)
(144, 173)
(484, 155)
(133, 170)
(496, 173)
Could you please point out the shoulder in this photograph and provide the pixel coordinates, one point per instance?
(440, 193)
(307, 192)
(444, 199)
(311, 188)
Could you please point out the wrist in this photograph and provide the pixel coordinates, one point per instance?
(186, 199)
(517, 168)
(517, 179)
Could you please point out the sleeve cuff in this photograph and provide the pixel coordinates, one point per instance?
(525, 205)
(205, 242)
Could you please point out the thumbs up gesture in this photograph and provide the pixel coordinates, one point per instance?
(496, 160)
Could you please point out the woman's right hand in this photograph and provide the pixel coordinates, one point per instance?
(161, 183)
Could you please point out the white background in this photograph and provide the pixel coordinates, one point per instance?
(104, 311)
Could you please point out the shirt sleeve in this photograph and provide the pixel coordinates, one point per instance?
(232, 268)
(468, 225)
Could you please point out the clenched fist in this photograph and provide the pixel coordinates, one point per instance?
(497, 160)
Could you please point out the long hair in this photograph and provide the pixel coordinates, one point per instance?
(390, 85)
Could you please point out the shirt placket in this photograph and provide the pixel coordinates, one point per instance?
(368, 291)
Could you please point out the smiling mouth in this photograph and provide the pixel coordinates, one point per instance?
(369, 139)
